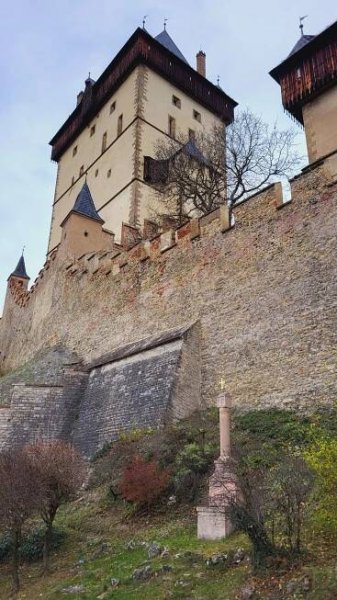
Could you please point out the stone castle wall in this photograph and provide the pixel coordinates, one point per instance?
(263, 291)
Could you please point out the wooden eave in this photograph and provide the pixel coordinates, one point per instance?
(317, 43)
(142, 48)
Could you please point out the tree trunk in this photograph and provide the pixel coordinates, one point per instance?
(46, 545)
(16, 539)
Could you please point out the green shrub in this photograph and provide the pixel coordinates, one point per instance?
(282, 428)
(31, 549)
(191, 464)
(322, 458)
(5, 547)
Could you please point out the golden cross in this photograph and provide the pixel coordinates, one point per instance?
(222, 384)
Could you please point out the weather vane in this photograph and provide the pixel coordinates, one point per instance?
(165, 21)
(301, 23)
(144, 21)
(23, 249)
(218, 80)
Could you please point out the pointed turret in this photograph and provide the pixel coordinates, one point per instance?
(18, 280)
(82, 230)
(20, 270)
(84, 204)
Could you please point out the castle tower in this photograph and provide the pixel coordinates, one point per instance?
(82, 229)
(18, 279)
(19, 275)
(147, 93)
(308, 80)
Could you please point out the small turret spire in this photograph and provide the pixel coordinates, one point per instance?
(20, 269)
(84, 205)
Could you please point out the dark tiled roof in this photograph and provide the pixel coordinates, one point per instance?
(191, 149)
(165, 40)
(84, 204)
(303, 41)
(20, 270)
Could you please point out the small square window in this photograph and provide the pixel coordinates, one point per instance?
(176, 101)
(197, 116)
(74, 150)
(112, 107)
(92, 130)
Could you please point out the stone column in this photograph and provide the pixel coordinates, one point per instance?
(224, 405)
(213, 520)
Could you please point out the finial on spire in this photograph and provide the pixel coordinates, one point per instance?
(218, 80)
(165, 21)
(23, 249)
(301, 23)
(144, 21)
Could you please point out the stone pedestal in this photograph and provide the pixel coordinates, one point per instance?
(213, 524)
(213, 520)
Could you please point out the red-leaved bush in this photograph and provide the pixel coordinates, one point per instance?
(143, 482)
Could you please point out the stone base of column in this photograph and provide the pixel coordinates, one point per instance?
(213, 524)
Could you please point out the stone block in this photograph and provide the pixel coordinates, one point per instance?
(213, 524)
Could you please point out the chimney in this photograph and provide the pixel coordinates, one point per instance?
(201, 63)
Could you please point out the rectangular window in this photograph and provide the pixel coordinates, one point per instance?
(176, 101)
(171, 126)
(74, 150)
(197, 116)
(191, 135)
(92, 130)
(112, 107)
(120, 125)
(104, 140)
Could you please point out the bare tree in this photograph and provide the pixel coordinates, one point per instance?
(257, 155)
(194, 176)
(20, 496)
(248, 508)
(290, 485)
(62, 470)
(269, 505)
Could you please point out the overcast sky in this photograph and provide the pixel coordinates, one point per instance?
(48, 47)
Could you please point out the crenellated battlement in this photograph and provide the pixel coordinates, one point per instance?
(152, 242)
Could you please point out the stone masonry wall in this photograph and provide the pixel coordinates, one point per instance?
(137, 390)
(264, 292)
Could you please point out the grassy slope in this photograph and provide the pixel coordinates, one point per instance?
(90, 521)
(81, 561)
